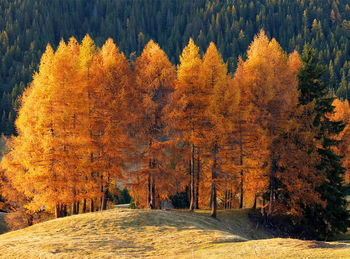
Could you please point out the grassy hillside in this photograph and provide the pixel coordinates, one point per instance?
(125, 233)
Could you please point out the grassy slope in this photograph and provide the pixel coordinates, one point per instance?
(142, 233)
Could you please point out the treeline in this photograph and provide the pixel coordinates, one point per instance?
(26, 26)
(269, 132)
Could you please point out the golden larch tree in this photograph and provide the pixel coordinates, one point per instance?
(155, 80)
(185, 109)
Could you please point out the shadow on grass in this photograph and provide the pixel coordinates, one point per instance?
(320, 244)
(183, 220)
(3, 225)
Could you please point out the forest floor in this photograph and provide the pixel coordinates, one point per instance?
(126, 233)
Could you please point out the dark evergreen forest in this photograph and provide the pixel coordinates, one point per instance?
(27, 26)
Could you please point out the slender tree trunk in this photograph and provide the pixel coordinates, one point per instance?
(241, 164)
(149, 191)
(272, 185)
(225, 200)
(77, 207)
(241, 191)
(153, 193)
(105, 193)
(213, 186)
(274, 161)
(211, 198)
(63, 210)
(57, 211)
(151, 184)
(100, 201)
(105, 200)
(30, 220)
(193, 179)
(254, 205)
(84, 206)
(197, 182)
(91, 205)
(100, 205)
(73, 208)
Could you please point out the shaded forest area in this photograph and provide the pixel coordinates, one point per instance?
(26, 26)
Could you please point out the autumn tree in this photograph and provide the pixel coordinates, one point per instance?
(270, 85)
(110, 98)
(155, 80)
(247, 142)
(220, 100)
(42, 126)
(185, 109)
(342, 113)
(72, 128)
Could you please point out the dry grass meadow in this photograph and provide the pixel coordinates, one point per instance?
(126, 233)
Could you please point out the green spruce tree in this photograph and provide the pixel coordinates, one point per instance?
(333, 218)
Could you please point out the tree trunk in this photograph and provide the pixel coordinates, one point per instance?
(193, 179)
(73, 208)
(104, 204)
(225, 200)
(77, 208)
(254, 205)
(84, 206)
(57, 211)
(241, 164)
(149, 191)
(272, 185)
(153, 193)
(91, 205)
(151, 185)
(213, 185)
(100, 203)
(197, 182)
(63, 210)
(241, 190)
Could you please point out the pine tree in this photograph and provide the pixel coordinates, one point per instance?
(343, 91)
(333, 218)
(297, 178)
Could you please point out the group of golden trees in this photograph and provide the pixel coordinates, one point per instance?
(70, 136)
(90, 118)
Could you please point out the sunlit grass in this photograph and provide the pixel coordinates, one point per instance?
(143, 233)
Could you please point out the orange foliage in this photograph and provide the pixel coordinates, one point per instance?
(66, 129)
(342, 113)
(88, 119)
(154, 80)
